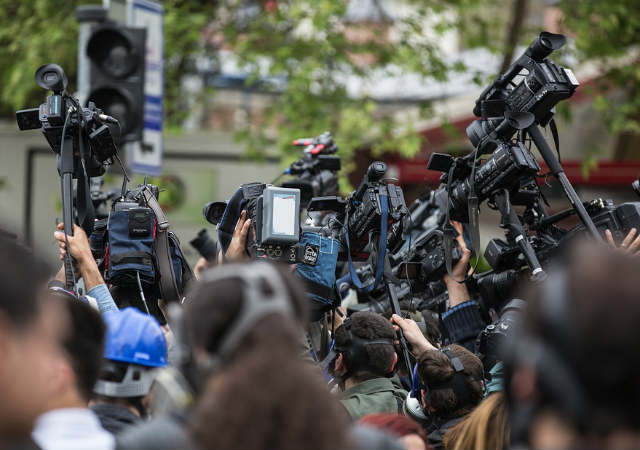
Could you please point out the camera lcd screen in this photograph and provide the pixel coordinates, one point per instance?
(284, 214)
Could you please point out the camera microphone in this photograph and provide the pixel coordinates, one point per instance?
(106, 118)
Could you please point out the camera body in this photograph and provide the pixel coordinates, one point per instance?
(360, 214)
(363, 210)
(275, 217)
(532, 84)
(424, 260)
(511, 166)
(83, 125)
(490, 341)
(620, 219)
(316, 171)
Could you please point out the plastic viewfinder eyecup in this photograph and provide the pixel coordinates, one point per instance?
(544, 45)
(52, 78)
(213, 212)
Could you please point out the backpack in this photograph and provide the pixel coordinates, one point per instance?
(141, 251)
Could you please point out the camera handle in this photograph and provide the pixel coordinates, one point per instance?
(66, 172)
(558, 172)
(512, 223)
(395, 308)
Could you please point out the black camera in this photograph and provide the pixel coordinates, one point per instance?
(316, 171)
(511, 166)
(206, 247)
(62, 115)
(275, 217)
(491, 340)
(424, 260)
(532, 84)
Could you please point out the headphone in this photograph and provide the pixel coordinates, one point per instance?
(256, 305)
(354, 352)
(459, 383)
(412, 406)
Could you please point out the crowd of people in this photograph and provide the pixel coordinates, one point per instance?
(234, 366)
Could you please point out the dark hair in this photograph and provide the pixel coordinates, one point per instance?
(269, 399)
(432, 328)
(23, 279)
(435, 367)
(211, 308)
(369, 325)
(84, 344)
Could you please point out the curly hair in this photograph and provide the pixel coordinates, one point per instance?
(435, 367)
(369, 325)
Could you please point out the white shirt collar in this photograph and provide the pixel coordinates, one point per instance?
(71, 429)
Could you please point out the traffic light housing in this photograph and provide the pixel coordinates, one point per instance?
(117, 65)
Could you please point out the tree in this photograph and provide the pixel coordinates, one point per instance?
(35, 32)
(607, 33)
(301, 41)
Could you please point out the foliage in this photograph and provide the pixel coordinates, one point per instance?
(607, 32)
(307, 43)
(35, 32)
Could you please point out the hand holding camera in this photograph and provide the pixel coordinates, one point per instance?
(237, 250)
(78, 247)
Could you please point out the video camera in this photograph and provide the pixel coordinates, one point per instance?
(316, 171)
(373, 207)
(62, 116)
(82, 142)
(511, 166)
(275, 217)
(532, 84)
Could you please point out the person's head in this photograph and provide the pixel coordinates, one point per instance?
(269, 400)
(411, 434)
(29, 339)
(432, 329)
(216, 322)
(486, 427)
(76, 372)
(572, 374)
(135, 346)
(453, 381)
(364, 348)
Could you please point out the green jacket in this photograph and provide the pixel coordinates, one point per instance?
(377, 395)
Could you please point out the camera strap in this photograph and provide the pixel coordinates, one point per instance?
(352, 276)
(168, 286)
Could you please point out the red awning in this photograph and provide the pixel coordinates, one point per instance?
(608, 173)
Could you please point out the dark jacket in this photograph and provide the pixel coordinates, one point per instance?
(438, 431)
(462, 324)
(377, 395)
(115, 418)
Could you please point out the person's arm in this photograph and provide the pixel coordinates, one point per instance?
(412, 333)
(462, 321)
(87, 267)
(456, 287)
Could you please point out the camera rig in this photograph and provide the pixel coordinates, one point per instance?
(82, 141)
(316, 171)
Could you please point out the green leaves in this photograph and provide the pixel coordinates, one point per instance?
(607, 32)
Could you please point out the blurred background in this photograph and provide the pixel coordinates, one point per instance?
(212, 93)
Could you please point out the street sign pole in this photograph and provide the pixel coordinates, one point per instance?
(146, 157)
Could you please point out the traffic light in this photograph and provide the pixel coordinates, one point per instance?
(117, 61)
